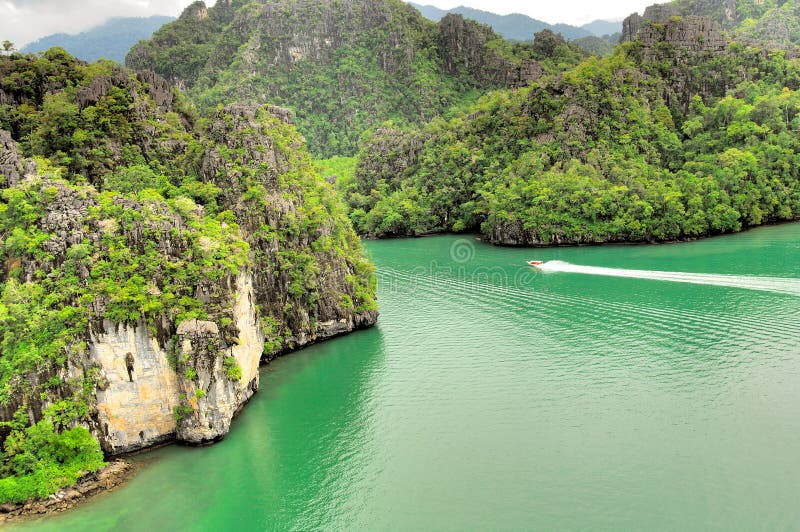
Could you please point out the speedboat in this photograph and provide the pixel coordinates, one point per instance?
(535, 263)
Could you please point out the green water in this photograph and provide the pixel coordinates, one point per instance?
(494, 397)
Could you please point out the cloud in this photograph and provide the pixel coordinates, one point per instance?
(23, 21)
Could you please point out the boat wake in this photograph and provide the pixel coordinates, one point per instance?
(767, 284)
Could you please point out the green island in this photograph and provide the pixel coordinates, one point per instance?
(125, 206)
(168, 226)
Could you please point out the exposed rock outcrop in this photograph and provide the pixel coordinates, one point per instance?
(463, 45)
(631, 26)
(10, 160)
(218, 391)
(662, 24)
(723, 13)
(100, 85)
(138, 390)
(689, 37)
(158, 88)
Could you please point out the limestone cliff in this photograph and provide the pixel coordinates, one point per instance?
(150, 260)
(688, 36)
(464, 45)
(673, 45)
(144, 396)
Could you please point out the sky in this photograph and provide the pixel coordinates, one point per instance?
(23, 21)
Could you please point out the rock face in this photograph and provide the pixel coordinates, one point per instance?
(143, 400)
(688, 36)
(463, 45)
(631, 26)
(725, 13)
(10, 160)
(100, 86)
(215, 396)
(138, 392)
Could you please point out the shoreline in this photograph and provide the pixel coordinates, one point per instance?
(484, 238)
(120, 471)
(115, 474)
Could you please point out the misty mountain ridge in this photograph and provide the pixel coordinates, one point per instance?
(601, 28)
(519, 27)
(110, 40)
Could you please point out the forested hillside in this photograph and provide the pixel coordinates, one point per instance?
(130, 223)
(678, 135)
(343, 66)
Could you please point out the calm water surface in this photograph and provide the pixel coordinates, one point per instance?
(492, 396)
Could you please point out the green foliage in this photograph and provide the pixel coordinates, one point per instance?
(599, 154)
(342, 168)
(232, 368)
(41, 459)
(135, 179)
(182, 411)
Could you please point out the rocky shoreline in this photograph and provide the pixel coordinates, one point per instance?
(114, 474)
(119, 471)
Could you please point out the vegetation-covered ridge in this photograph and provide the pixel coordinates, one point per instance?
(772, 23)
(119, 204)
(618, 149)
(343, 66)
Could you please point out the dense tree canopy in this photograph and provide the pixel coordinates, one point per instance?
(604, 152)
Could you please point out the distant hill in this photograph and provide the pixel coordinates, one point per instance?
(111, 40)
(601, 28)
(599, 46)
(514, 27)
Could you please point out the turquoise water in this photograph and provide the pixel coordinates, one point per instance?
(495, 396)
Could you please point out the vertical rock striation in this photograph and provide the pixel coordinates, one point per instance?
(142, 400)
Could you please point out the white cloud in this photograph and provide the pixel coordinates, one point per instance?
(23, 21)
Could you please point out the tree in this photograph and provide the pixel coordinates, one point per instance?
(8, 46)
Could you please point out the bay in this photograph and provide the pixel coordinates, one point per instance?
(496, 396)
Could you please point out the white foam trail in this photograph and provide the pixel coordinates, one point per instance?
(768, 284)
(493, 292)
